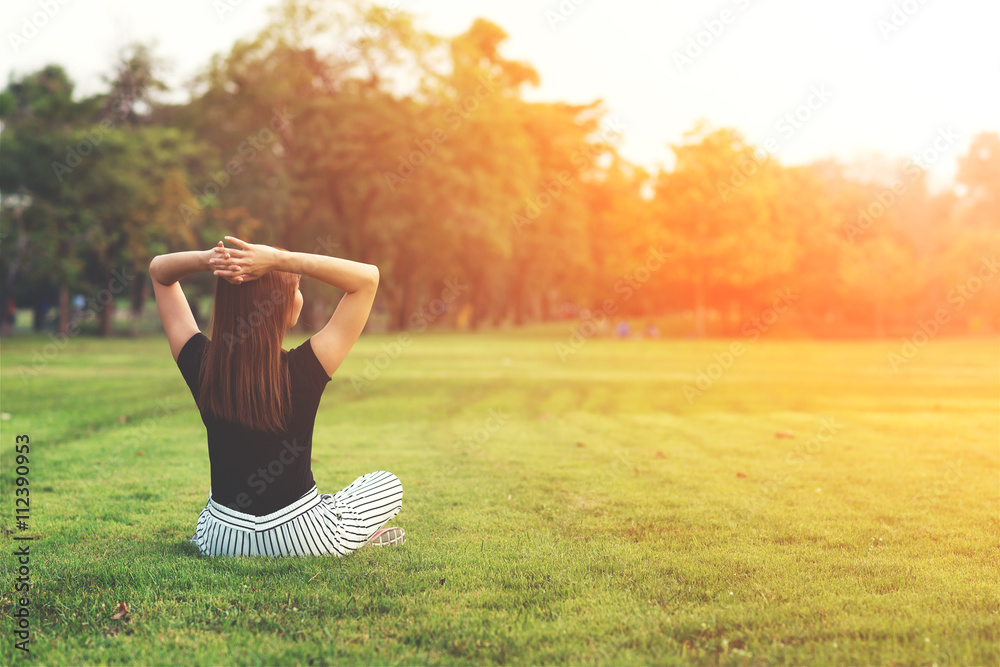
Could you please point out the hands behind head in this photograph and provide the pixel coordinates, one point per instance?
(246, 262)
(223, 266)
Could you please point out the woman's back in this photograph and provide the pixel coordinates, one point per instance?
(255, 472)
(258, 402)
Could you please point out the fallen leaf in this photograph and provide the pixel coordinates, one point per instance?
(784, 434)
(660, 455)
(580, 444)
(637, 470)
(442, 581)
(122, 418)
(739, 474)
(142, 453)
(122, 610)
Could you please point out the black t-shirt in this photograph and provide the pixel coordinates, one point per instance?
(252, 471)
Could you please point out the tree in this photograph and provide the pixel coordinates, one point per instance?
(43, 235)
(714, 207)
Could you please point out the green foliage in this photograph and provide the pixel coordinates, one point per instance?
(343, 127)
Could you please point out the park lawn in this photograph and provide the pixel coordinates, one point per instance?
(577, 510)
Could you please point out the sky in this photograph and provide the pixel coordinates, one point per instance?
(808, 79)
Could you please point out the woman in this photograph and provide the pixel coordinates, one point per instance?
(258, 402)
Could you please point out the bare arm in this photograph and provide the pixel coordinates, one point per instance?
(250, 261)
(359, 282)
(175, 313)
(168, 269)
(343, 274)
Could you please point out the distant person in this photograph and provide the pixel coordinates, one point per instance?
(651, 330)
(258, 401)
(40, 314)
(10, 316)
(623, 330)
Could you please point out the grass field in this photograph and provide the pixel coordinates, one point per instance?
(577, 511)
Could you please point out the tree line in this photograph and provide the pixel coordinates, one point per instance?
(343, 128)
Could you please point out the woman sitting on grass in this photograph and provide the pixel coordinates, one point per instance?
(258, 402)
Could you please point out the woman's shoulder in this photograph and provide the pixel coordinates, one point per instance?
(303, 361)
(199, 336)
(198, 340)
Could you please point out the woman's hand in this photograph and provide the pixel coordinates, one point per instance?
(246, 262)
(220, 263)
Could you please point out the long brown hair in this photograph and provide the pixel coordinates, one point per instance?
(243, 378)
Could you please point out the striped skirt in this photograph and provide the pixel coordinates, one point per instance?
(318, 524)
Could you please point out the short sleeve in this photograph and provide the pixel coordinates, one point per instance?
(307, 367)
(189, 361)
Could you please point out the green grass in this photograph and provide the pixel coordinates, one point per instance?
(603, 518)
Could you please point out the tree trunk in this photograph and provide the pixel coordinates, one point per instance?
(37, 315)
(108, 311)
(64, 309)
(480, 312)
(699, 306)
(517, 292)
(11, 277)
(545, 306)
(518, 310)
(320, 316)
(879, 301)
(476, 301)
(139, 293)
(9, 312)
(107, 317)
(405, 306)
